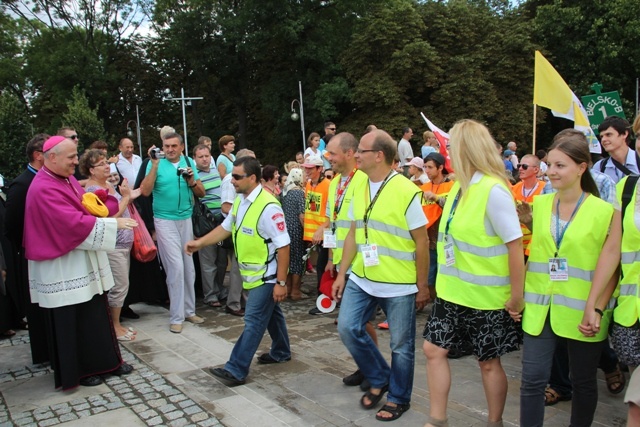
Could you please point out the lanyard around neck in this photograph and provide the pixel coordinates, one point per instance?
(559, 233)
(367, 212)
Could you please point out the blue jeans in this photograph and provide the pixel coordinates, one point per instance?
(261, 313)
(537, 357)
(356, 309)
(433, 267)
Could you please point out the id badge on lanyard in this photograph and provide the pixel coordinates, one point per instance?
(329, 240)
(370, 255)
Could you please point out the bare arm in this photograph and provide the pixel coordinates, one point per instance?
(149, 181)
(280, 292)
(515, 305)
(602, 278)
(348, 253)
(421, 239)
(216, 235)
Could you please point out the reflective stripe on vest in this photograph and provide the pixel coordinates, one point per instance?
(252, 250)
(315, 207)
(627, 310)
(479, 278)
(343, 223)
(387, 228)
(564, 301)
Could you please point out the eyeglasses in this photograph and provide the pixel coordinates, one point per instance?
(360, 151)
(73, 137)
(238, 177)
(101, 164)
(333, 129)
(524, 166)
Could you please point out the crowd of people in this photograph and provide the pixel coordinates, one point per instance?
(539, 251)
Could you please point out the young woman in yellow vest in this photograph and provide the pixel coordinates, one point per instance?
(574, 251)
(480, 272)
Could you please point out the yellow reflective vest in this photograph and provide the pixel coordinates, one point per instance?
(388, 230)
(479, 278)
(564, 301)
(628, 308)
(251, 248)
(342, 222)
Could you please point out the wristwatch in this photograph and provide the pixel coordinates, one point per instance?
(282, 283)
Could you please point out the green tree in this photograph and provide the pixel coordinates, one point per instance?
(83, 118)
(15, 131)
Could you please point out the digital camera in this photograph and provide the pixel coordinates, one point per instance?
(184, 172)
(156, 153)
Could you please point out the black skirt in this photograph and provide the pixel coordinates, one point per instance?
(83, 342)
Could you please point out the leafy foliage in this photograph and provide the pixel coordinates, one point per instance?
(83, 119)
(15, 131)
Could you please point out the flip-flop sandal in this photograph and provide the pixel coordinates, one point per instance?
(395, 411)
(131, 331)
(126, 337)
(374, 399)
(214, 304)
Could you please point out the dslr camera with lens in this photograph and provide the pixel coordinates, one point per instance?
(156, 153)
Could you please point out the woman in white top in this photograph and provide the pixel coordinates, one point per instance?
(313, 142)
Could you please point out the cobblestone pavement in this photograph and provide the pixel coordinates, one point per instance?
(171, 384)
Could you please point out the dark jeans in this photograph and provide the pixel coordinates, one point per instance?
(537, 358)
(560, 381)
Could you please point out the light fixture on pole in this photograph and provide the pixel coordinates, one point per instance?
(182, 98)
(295, 116)
(130, 132)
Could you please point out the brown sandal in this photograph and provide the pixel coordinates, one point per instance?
(615, 381)
(551, 397)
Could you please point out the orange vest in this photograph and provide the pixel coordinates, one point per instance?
(315, 207)
(432, 210)
(526, 196)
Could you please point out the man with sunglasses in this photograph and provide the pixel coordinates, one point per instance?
(261, 243)
(329, 132)
(528, 187)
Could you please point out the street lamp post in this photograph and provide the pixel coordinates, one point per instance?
(182, 98)
(295, 117)
(130, 132)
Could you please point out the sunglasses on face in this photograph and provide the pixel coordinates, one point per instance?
(238, 177)
(524, 166)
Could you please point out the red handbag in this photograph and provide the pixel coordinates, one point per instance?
(144, 250)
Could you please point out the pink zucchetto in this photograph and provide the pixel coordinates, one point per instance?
(52, 142)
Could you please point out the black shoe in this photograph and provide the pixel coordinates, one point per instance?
(315, 311)
(91, 381)
(266, 359)
(225, 375)
(124, 369)
(365, 385)
(462, 349)
(354, 379)
(238, 313)
(128, 313)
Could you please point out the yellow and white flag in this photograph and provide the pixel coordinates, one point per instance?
(552, 92)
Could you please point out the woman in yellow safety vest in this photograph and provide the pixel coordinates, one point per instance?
(480, 272)
(574, 251)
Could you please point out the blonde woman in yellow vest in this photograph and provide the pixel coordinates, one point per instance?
(261, 243)
(480, 273)
(574, 251)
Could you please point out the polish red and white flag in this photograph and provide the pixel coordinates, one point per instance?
(443, 140)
